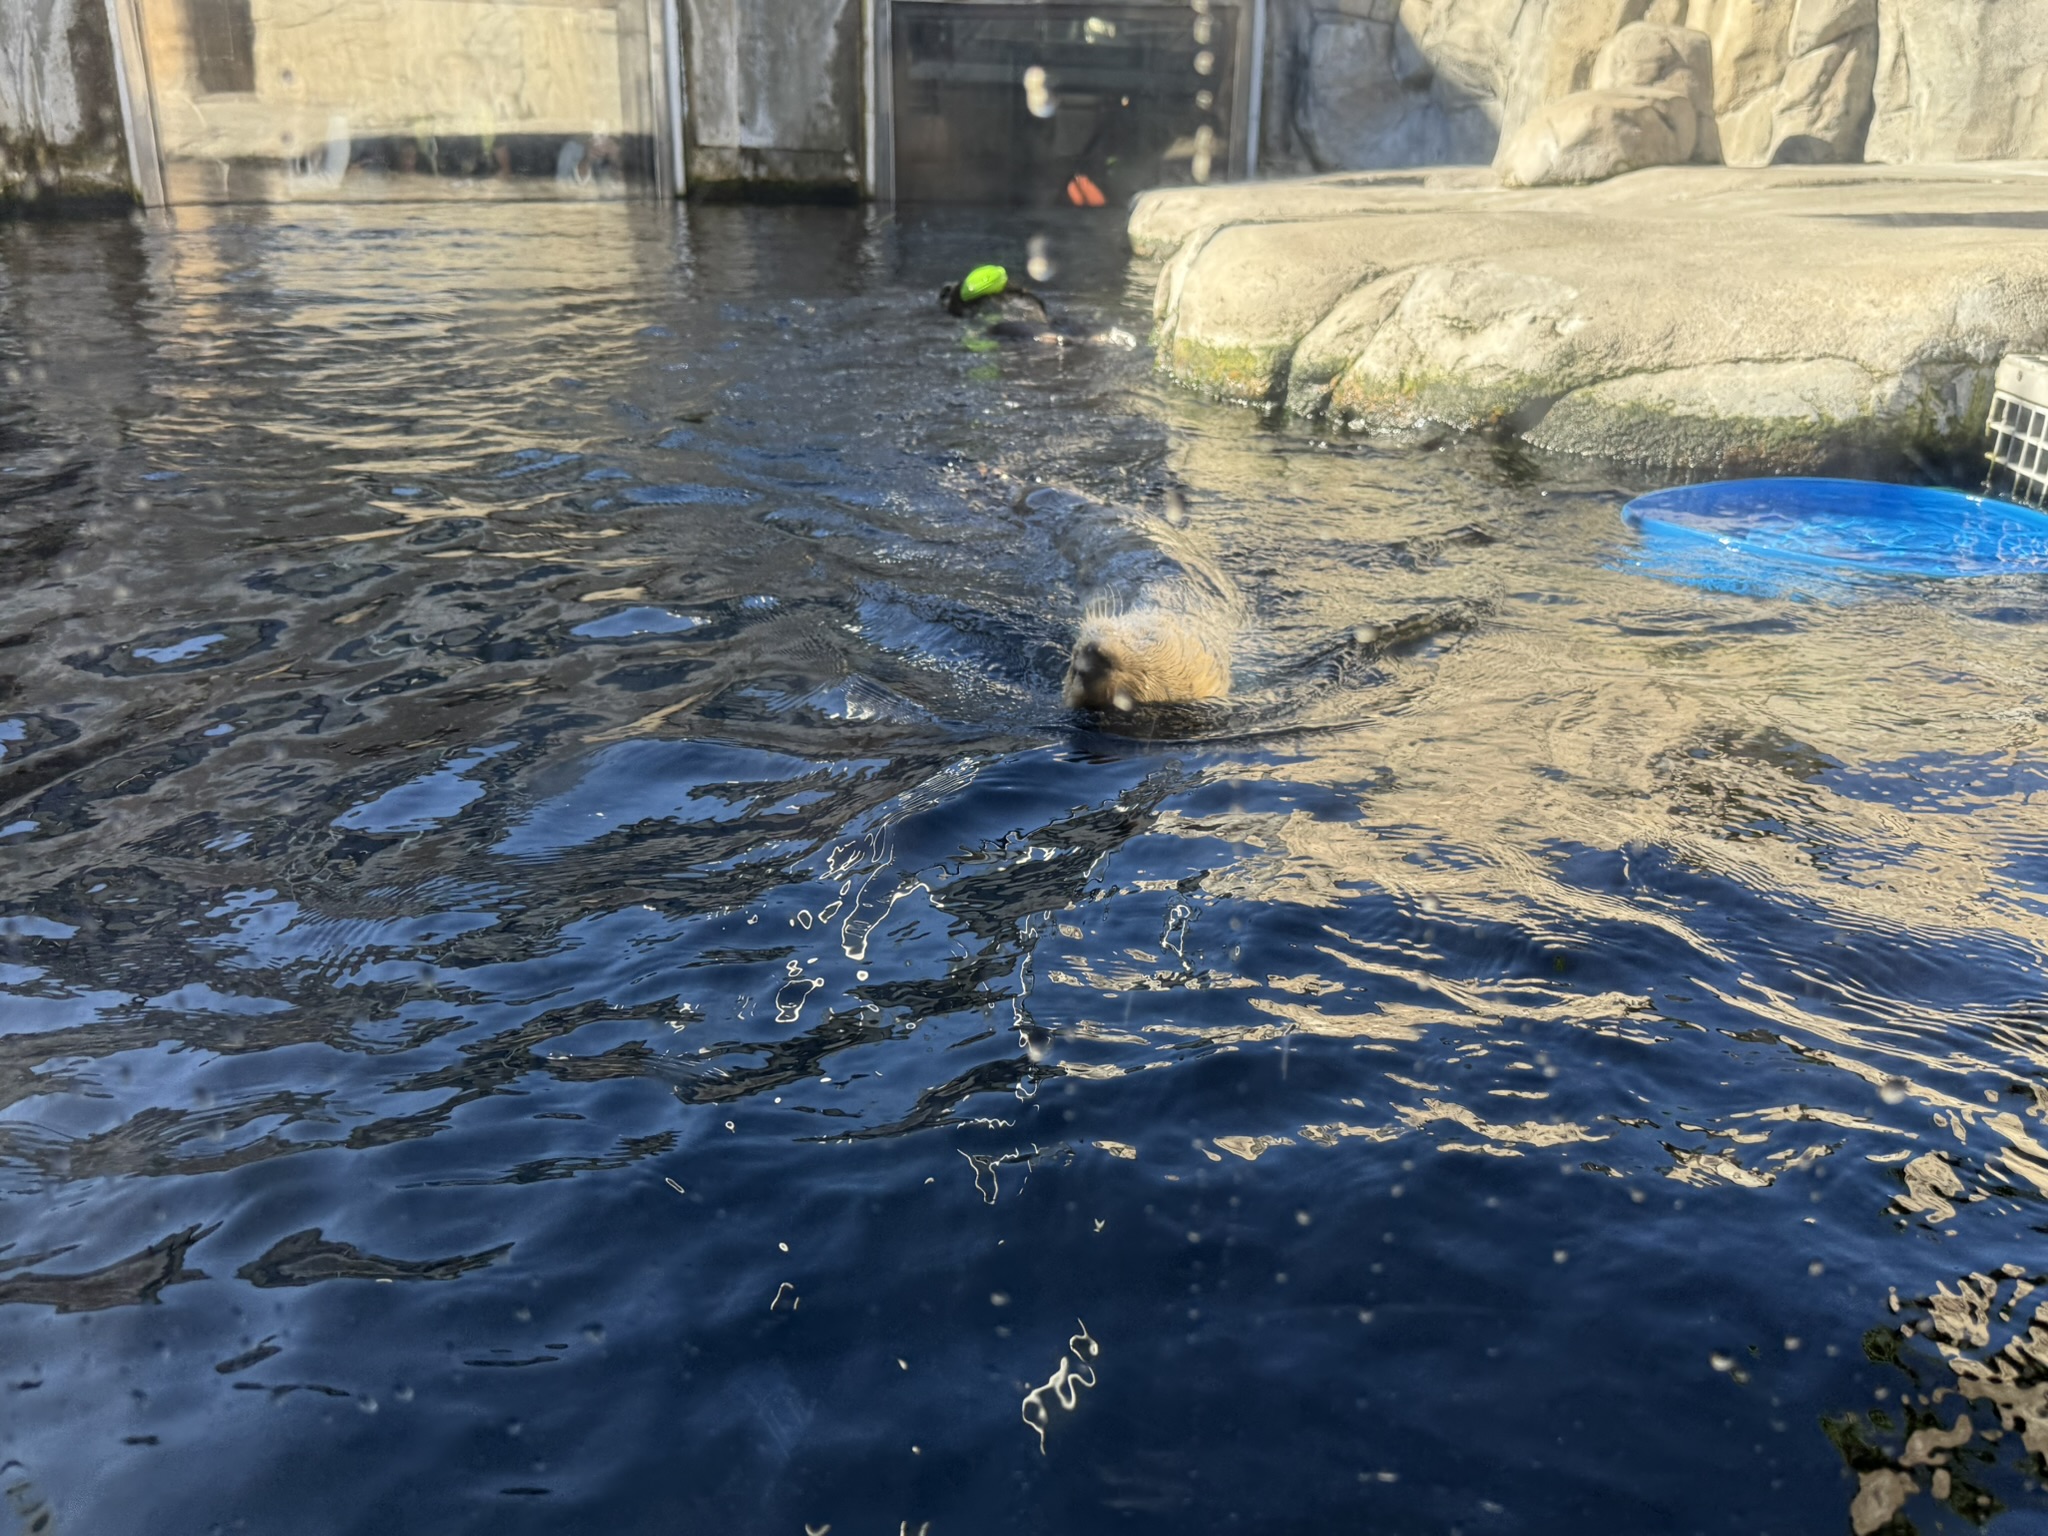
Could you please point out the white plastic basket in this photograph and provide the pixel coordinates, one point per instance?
(2019, 431)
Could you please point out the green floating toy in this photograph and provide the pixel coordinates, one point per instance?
(983, 283)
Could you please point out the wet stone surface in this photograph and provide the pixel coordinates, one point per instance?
(563, 968)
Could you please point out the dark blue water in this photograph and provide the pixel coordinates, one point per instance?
(564, 969)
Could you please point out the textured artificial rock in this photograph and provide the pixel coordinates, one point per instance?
(1823, 105)
(1643, 55)
(1960, 80)
(1790, 83)
(1793, 82)
(1772, 319)
(1651, 103)
(1357, 84)
(1765, 414)
(1236, 327)
(1592, 135)
(1649, 56)
(1551, 50)
(1748, 41)
(1383, 83)
(1816, 23)
(1162, 222)
(1371, 101)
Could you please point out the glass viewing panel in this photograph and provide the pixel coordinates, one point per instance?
(1054, 103)
(276, 100)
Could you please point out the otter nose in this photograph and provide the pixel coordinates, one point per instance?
(1088, 672)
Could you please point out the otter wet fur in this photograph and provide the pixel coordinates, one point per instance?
(1159, 621)
(1126, 659)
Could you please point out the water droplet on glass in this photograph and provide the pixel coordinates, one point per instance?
(1038, 97)
(1038, 259)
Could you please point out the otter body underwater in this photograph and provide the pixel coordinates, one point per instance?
(1160, 622)
(1165, 643)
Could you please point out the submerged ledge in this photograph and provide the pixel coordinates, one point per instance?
(1788, 318)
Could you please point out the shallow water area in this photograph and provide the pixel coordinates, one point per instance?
(563, 968)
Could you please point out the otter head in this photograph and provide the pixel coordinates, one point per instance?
(1092, 679)
(1122, 661)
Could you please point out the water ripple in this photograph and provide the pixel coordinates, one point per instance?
(562, 965)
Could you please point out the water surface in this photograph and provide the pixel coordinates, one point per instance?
(562, 967)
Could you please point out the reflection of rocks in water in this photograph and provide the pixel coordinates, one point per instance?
(306, 1258)
(190, 648)
(126, 1282)
(1744, 781)
(158, 1141)
(256, 1354)
(31, 1509)
(1988, 1358)
(629, 1150)
(25, 735)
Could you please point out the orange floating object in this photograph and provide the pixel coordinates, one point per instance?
(1083, 193)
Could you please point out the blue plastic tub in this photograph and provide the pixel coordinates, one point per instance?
(1732, 532)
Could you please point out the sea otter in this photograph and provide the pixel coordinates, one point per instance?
(1125, 658)
(1008, 312)
(1003, 308)
(1159, 621)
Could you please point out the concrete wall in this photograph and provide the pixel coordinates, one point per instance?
(774, 96)
(60, 113)
(477, 67)
(319, 94)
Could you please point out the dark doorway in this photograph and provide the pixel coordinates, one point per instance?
(1039, 104)
(223, 45)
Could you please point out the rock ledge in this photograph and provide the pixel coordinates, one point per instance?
(1771, 319)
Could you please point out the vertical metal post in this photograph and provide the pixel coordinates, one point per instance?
(1255, 106)
(878, 79)
(867, 94)
(665, 60)
(138, 102)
